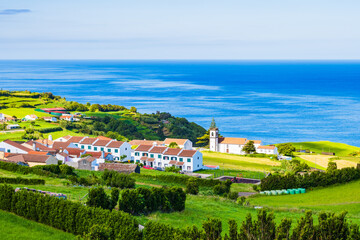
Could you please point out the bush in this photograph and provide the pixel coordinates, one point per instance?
(119, 180)
(233, 195)
(192, 187)
(172, 169)
(144, 201)
(222, 188)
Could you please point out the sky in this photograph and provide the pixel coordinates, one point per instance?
(180, 29)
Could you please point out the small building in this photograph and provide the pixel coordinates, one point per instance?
(13, 147)
(67, 118)
(12, 126)
(34, 159)
(31, 117)
(50, 119)
(267, 150)
(120, 167)
(182, 143)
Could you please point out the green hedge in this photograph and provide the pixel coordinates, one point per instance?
(314, 179)
(181, 179)
(66, 215)
(13, 167)
(48, 130)
(144, 201)
(19, 180)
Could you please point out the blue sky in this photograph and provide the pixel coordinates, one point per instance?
(179, 29)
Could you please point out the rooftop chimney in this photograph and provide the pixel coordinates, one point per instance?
(34, 146)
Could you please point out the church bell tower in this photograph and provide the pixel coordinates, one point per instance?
(214, 139)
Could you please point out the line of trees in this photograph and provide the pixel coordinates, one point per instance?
(313, 179)
(143, 200)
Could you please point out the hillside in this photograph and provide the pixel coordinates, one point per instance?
(340, 149)
(113, 120)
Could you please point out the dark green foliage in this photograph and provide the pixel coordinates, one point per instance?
(286, 149)
(119, 180)
(69, 216)
(249, 147)
(66, 169)
(283, 230)
(13, 167)
(99, 232)
(212, 228)
(192, 187)
(144, 201)
(314, 179)
(19, 180)
(233, 195)
(222, 188)
(48, 130)
(172, 169)
(331, 166)
(332, 226)
(181, 179)
(305, 228)
(53, 168)
(98, 198)
(262, 228)
(114, 198)
(233, 230)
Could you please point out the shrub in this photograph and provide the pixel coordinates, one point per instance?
(233, 195)
(19, 180)
(119, 180)
(172, 169)
(192, 187)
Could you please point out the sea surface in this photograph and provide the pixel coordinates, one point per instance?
(274, 101)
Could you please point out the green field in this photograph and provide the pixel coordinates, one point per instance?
(340, 149)
(15, 227)
(238, 162)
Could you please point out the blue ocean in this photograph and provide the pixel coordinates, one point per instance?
(274, 101)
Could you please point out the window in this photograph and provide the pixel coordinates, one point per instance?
(137, 154)
(82, 146)
(173, 158)
(89, 147)
(189, 160)
(95, 148)
(116, 150)
(102, 149)
(125, 149)
(151, 155)
(181, 159)
(109, 150)
(8, 150)
(145, 154)
(166, 158)
(159, 156)
(76, 144)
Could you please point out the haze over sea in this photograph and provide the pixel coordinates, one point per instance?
(274, 101)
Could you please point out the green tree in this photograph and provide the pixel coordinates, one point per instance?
(98, 198)
(305, 229)
(331, 166)
(213, 123)
(173, 145)
(286, 149)
(249, 147)
(133, 109)
(192, 186)
(212, 228)
(204, 140)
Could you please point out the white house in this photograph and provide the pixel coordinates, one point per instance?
(182, 143)
(13, 147)
(2, 117)
(67, 118)
(160, 156)
(268, 150)
(50, 119)
(12, 126)
(30, 117)
(235, 145)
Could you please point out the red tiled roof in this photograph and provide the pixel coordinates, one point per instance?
(38, 153)
(88, 141)
(115, 144)
(39, 146)
(103, 138)
(97, 154)
(54, 109)
(60, 145)
(29, 158)
(230, 140)
(17, 145)
(143, 148)
(145, 142)
(75, 151)
(45, 141)
(187, 153)
(176, 140)
(90, 159)
(144, 158)
(173, 162)
(119, 167)
(150, 160)
(172, 151)
(75, 139)
(101, 143)
(180, 163)
(157, 149)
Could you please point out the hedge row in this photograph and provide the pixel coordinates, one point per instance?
(19, 180)
(48, 130)
(314, 179)
(12, 167)
(66, 215)
(143, 200)
(181, 179)
(119, 180)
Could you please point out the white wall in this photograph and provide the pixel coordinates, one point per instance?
(11, 149)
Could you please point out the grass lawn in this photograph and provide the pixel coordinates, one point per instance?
(232, 161)
(340, 149)
(15, 227)
(234, 173)
(345, 197)
(323, 160)
(22, 112)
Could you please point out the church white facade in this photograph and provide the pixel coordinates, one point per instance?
(235, 145)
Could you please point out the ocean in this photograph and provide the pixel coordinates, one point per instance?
(273, 101)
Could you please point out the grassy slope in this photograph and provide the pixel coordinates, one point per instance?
(15, 227)
(340, 149)
(345, 197)
(232, 161)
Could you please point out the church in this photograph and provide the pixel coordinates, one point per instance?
(235, 145)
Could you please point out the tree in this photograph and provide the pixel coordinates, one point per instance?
(133, 109)
(213, 228)
(249, 147)
(213, 123)
(173, 145)
(286, 149)
(192, 187)
(98, 198)
(331, 166)
(204, 139)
